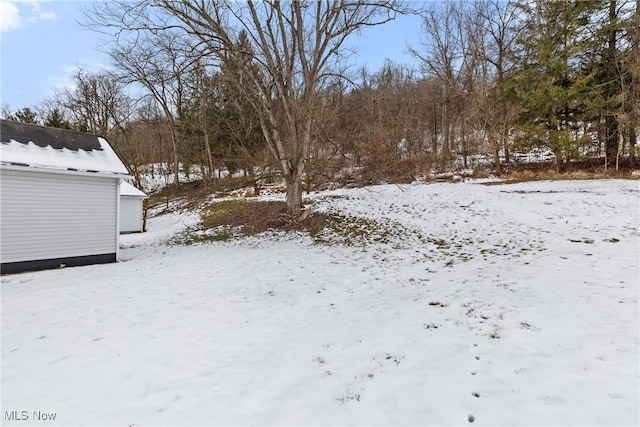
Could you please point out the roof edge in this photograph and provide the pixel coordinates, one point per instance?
(42, 169)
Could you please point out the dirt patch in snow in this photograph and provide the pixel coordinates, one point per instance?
(228, 219)
(257, 216)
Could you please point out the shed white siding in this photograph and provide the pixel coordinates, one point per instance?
(52, 215)
(130, 214)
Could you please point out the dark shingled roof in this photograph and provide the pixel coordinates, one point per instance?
(45, 136)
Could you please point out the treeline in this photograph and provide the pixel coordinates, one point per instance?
(494, 78)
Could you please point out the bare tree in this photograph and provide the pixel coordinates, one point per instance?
(442, 55)
(496, 24)
(93, 100)
(294, 47)
(97, 103)
(199, 114)
(159, 63)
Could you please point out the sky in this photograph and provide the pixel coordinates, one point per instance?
(42, 45)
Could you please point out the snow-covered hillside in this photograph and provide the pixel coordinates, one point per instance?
(497, 305)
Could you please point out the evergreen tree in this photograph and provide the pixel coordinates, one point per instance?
(609, 59)
(549, 83)
(633, 94)
(25, 115)
(56, 119)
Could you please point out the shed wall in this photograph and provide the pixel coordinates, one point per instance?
(55, 216)
(130, 214)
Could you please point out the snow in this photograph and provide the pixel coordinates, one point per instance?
(511, 304)
(156, 176)
(105, 160)
(127, 189)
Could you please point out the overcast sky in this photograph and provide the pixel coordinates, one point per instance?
(42, 44)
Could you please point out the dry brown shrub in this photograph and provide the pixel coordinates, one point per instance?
(479, 172)
(551, 174)
(404, 172)
(424, 162)
(382, 163)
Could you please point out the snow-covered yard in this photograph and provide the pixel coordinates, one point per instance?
(497, 305)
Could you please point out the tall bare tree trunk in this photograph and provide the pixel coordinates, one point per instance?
(446, 132)
(496, 158)
(294, 192)
(434, 143)
(207, 146)
(174, 154)
(505, 143)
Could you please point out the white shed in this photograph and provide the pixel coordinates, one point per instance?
(60, 198)
(131, 209)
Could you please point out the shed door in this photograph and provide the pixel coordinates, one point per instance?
(48, 215)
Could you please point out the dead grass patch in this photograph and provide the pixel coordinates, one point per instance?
(224, 220)
(526, 175)
(253, 217)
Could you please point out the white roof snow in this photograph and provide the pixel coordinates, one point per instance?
(127, 189)
(30, 154)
